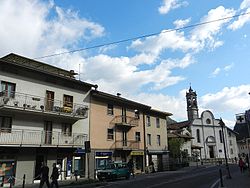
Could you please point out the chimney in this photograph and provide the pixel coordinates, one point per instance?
(118, 94)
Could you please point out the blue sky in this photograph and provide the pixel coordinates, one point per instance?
(155, 70)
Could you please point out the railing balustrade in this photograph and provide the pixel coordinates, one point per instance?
(127, 144)
(128, 120)
(23, 101)
(41, 138)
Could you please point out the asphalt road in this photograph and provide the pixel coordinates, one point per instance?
(187, 178)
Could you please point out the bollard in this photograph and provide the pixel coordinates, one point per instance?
(221, 179)
(23, 181)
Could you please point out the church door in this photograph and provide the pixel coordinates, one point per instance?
(211, 151)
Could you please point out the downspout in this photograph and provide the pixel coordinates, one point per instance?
(144, 138)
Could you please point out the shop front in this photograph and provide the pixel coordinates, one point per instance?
(137, 157)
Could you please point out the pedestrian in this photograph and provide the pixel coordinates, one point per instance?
(152, 166)
(131, 167)
(54, 176)
(44, 175)
(241, 165)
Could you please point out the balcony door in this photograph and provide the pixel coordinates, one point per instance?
(49, 100)
(124, 115)
(124, 138)
(48, 132)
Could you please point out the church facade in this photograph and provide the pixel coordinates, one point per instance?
(208, 132)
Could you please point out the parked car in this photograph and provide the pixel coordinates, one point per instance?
(113, 171)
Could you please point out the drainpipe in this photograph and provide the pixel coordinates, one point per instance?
(144, 138)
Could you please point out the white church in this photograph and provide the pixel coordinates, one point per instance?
(207, 132)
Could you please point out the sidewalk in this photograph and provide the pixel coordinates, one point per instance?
(239, 180)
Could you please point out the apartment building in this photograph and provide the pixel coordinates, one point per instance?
(156, 139)
(44, 117)
(116, 130)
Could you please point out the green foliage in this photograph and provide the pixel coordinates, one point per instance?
(174, 146)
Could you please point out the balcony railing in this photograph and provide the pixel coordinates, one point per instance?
(125, 121)
(27, 102)
(40, 138)
(127, 144)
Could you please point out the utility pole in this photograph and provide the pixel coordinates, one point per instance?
(222, 124)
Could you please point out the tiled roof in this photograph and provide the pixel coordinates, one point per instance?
(179, 125)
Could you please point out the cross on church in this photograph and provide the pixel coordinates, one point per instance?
(240, 118)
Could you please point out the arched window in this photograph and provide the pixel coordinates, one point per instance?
(221, 139)
(198, 135)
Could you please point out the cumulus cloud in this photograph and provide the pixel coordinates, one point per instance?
(245, 4)
(181, 23)
(36, 28)
(215, 72)
(168, 5)
(241, 21)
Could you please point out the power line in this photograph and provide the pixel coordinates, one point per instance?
(143, 36)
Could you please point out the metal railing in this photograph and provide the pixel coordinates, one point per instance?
(125, 120)
(127, 144)
(34, 137)
(23, 101)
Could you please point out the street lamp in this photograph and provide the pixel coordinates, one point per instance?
(222, 124)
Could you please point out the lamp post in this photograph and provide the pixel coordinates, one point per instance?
(222, 124)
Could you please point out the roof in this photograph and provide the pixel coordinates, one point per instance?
(176, 135)
(179, 125)
(30, 64)
(120, 99)
(160, 112)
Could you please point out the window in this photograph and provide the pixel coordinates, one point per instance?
(67, 129)
(231, 151)
(137, 136)
(230, 142)
(220, 134)
(157, 123)
(110, 109)
(67, 101)
(158, 140)
(5, 124)
(208, 121)
(137, 114)
(8, 89)
(148, 121)
(110, 134)
(198, 136)
(229, 134)
(149, 139)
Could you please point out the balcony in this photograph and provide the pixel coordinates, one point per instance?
(127, 145)
(30, 103)
(125, 121)
(20, 137)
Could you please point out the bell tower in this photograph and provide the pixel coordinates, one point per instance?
(192, 107)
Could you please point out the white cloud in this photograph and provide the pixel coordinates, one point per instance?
(215, 72)
(168, 5)
(245, 4)
(242, 20)
(26, 29)
(229, 67)
(205, 34)
(181, 23)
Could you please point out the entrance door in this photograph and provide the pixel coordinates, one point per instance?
(211, 151)
(39, 161)
(49, 100)
(48, 132)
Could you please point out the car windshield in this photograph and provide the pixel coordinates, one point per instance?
(110, 166)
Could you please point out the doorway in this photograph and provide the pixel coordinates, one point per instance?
(48, 132)
(211, 151)
(49, 100)
(39, 161)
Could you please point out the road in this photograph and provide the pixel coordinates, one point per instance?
(203, 177)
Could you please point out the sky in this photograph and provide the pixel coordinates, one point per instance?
(156, 70)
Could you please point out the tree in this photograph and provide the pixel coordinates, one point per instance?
(174, 146)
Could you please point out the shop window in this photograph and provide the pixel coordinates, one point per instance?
(110, 109)
(110, 134)
(67, 129)
(8, 89)
(5, 124)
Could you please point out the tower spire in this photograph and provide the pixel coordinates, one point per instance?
(192, 106)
